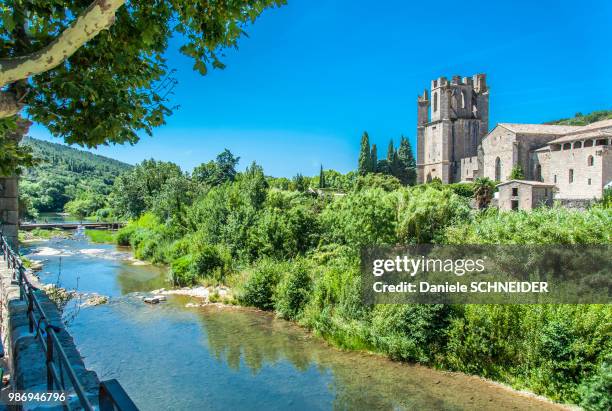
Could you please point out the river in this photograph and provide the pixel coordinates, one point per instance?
(169, 357)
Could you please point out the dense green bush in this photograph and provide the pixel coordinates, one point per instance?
(182, 270)
(376, 180)
(259, 289)
(595, 391)
(541, 226)
(465, 190)
(294, 291)
(411, 332)
(361, 218)
(425, 213)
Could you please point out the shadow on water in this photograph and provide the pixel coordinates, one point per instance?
(169, 357)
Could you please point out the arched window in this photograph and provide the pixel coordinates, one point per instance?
(497, 169)
(567, 146)
(588, 143)
(435, 101)
(571, 175)
(462, 99)
(590, 160)
(538, 172)
(578, 144)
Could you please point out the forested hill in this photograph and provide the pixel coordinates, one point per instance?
(580, 119)
(65, 173)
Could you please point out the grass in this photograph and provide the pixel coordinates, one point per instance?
(42, 234)
(101, 236)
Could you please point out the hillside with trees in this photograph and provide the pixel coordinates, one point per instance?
(64, 174)
(580, 119)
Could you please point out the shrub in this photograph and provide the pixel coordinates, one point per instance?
(376, 180)
(182, 272)
(124, 235)
(555, 225)
(212, 261)
(411, 332)
(260, 286)
(293, 291)
(465, 190)
(595, 391)
(425, 213)
(361, 218)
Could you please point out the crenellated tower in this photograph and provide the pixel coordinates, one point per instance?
(450, 125)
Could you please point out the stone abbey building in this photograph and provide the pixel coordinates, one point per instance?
(454, 144)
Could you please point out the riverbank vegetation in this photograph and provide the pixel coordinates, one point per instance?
(101, 236)
(295, 250)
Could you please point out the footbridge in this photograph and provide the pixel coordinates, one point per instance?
(72, 225)
(40, 360)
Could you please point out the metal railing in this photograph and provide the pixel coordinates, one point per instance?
(111, 395)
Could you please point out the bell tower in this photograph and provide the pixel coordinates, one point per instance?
(458, 120)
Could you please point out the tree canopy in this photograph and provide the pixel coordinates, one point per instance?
(94, 72)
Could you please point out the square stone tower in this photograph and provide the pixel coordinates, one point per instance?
(450, 126)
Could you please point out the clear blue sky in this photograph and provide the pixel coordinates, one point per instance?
(313, 75)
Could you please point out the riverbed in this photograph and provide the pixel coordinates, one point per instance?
(170, 357)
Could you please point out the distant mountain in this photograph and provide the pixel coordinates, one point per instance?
(64, 173)
(580, 119)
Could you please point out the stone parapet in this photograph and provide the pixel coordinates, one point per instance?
(27, 359)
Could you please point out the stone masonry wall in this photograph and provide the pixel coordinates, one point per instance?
(26, 356)
(9, 209)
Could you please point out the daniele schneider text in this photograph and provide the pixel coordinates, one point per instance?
(412, 266)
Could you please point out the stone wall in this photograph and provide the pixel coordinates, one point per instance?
(588, 180)
(500, 143)
(9, 209)
(26, 356)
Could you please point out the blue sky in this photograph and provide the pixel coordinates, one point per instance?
(313, 75)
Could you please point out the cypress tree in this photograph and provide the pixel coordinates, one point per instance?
(374, 161)
(392, 160)
(364, 165)
(407, 162)
(321, 178)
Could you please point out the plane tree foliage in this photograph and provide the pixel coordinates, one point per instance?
(94, 72)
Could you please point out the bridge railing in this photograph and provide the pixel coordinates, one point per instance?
(112, 396)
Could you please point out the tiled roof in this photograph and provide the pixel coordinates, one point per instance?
(582, 135)
(531, 183)
(539, 128)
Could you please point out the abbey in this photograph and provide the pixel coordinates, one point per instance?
(454, 144)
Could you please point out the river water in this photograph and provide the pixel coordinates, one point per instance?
(169, 357)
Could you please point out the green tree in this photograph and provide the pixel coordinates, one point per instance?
(364, 165)
(517, 173)
(95, 72)
(214, 173)
(322, 178)
(393, 165)
(374, 159)
(136, 191)
(407, 163)
(299, 183)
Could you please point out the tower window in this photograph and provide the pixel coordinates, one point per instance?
(590, 161)
(571, 175)
(435, 102)
(589, 181)
(515, 192)
(555, 178)
(497, 169)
